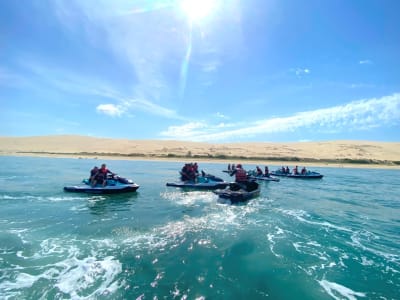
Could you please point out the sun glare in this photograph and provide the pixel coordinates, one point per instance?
(197, 10)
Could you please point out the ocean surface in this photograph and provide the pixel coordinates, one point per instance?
(335, 238)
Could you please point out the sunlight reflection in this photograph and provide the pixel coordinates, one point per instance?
(197, 10)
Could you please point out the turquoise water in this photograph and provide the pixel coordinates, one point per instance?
(335, 238)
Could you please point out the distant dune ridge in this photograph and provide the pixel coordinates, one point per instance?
(330, 152)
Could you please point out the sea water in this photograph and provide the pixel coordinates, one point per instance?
(335, 238)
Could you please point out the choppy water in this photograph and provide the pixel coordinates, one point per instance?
(335, 238)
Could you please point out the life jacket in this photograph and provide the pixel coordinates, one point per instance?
(93, 172)
(102, 174)
(240, 175)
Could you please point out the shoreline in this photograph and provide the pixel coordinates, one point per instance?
(228, 160)
(339, 154)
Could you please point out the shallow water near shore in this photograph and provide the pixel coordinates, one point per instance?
(335, 238)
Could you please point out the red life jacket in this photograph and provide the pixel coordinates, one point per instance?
(240, 175)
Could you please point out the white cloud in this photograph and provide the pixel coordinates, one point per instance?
(154, 39)
(300, 71)
(151, 108)
(365, 62)
(72, 82)
(110, 109)
(186, 131)
(220, 115)
(360, 85)
(211, 66)
(357, 115)
(146, 41)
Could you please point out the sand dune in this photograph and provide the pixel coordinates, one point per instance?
(331, 152)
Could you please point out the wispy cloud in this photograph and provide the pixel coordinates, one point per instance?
(220, 115)
(357, 115)
(211, 66)
(10, 78)
(365, 62)
(300, 71)
(110, 109)
(142, 35)
(186, 131)
(154, 39)
(360, 85)
(78, 84)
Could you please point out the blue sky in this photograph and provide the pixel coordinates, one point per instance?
(215, 71)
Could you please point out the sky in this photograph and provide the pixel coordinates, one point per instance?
(201, 70)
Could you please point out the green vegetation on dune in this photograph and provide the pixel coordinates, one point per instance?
(219, 157)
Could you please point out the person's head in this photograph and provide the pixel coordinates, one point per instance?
(103, 166)
(239, 166)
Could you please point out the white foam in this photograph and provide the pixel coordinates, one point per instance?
(330, 265)
(22, 281)
(19, 233)
(189, 198)
(61, 199)
(157, 279)
(54, 246)
(357, 241)
(300, 215)
(80, 275)
(221, 218)
(310, 249)
(279, 230)
(80, 207)
(271, 238)
(366, 262)
(314, 243)
(338, 291)
(297, 246)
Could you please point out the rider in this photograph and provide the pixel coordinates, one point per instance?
(101, 176)
(258, 171)
(303, 171)
(93, 174)
(241, 181)
(266, 173)
(296, 170)
(240, 174)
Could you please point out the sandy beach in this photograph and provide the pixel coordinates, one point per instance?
(328, 153)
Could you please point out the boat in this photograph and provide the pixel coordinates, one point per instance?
(263, 178)
(203, 182)
(252, 175)
(239, 192)
(306, 175)
(115, 185)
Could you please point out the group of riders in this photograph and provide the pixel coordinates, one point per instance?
(295, 171)
(190, 172)
(232, 168)
(259, 172)
(99, 175)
